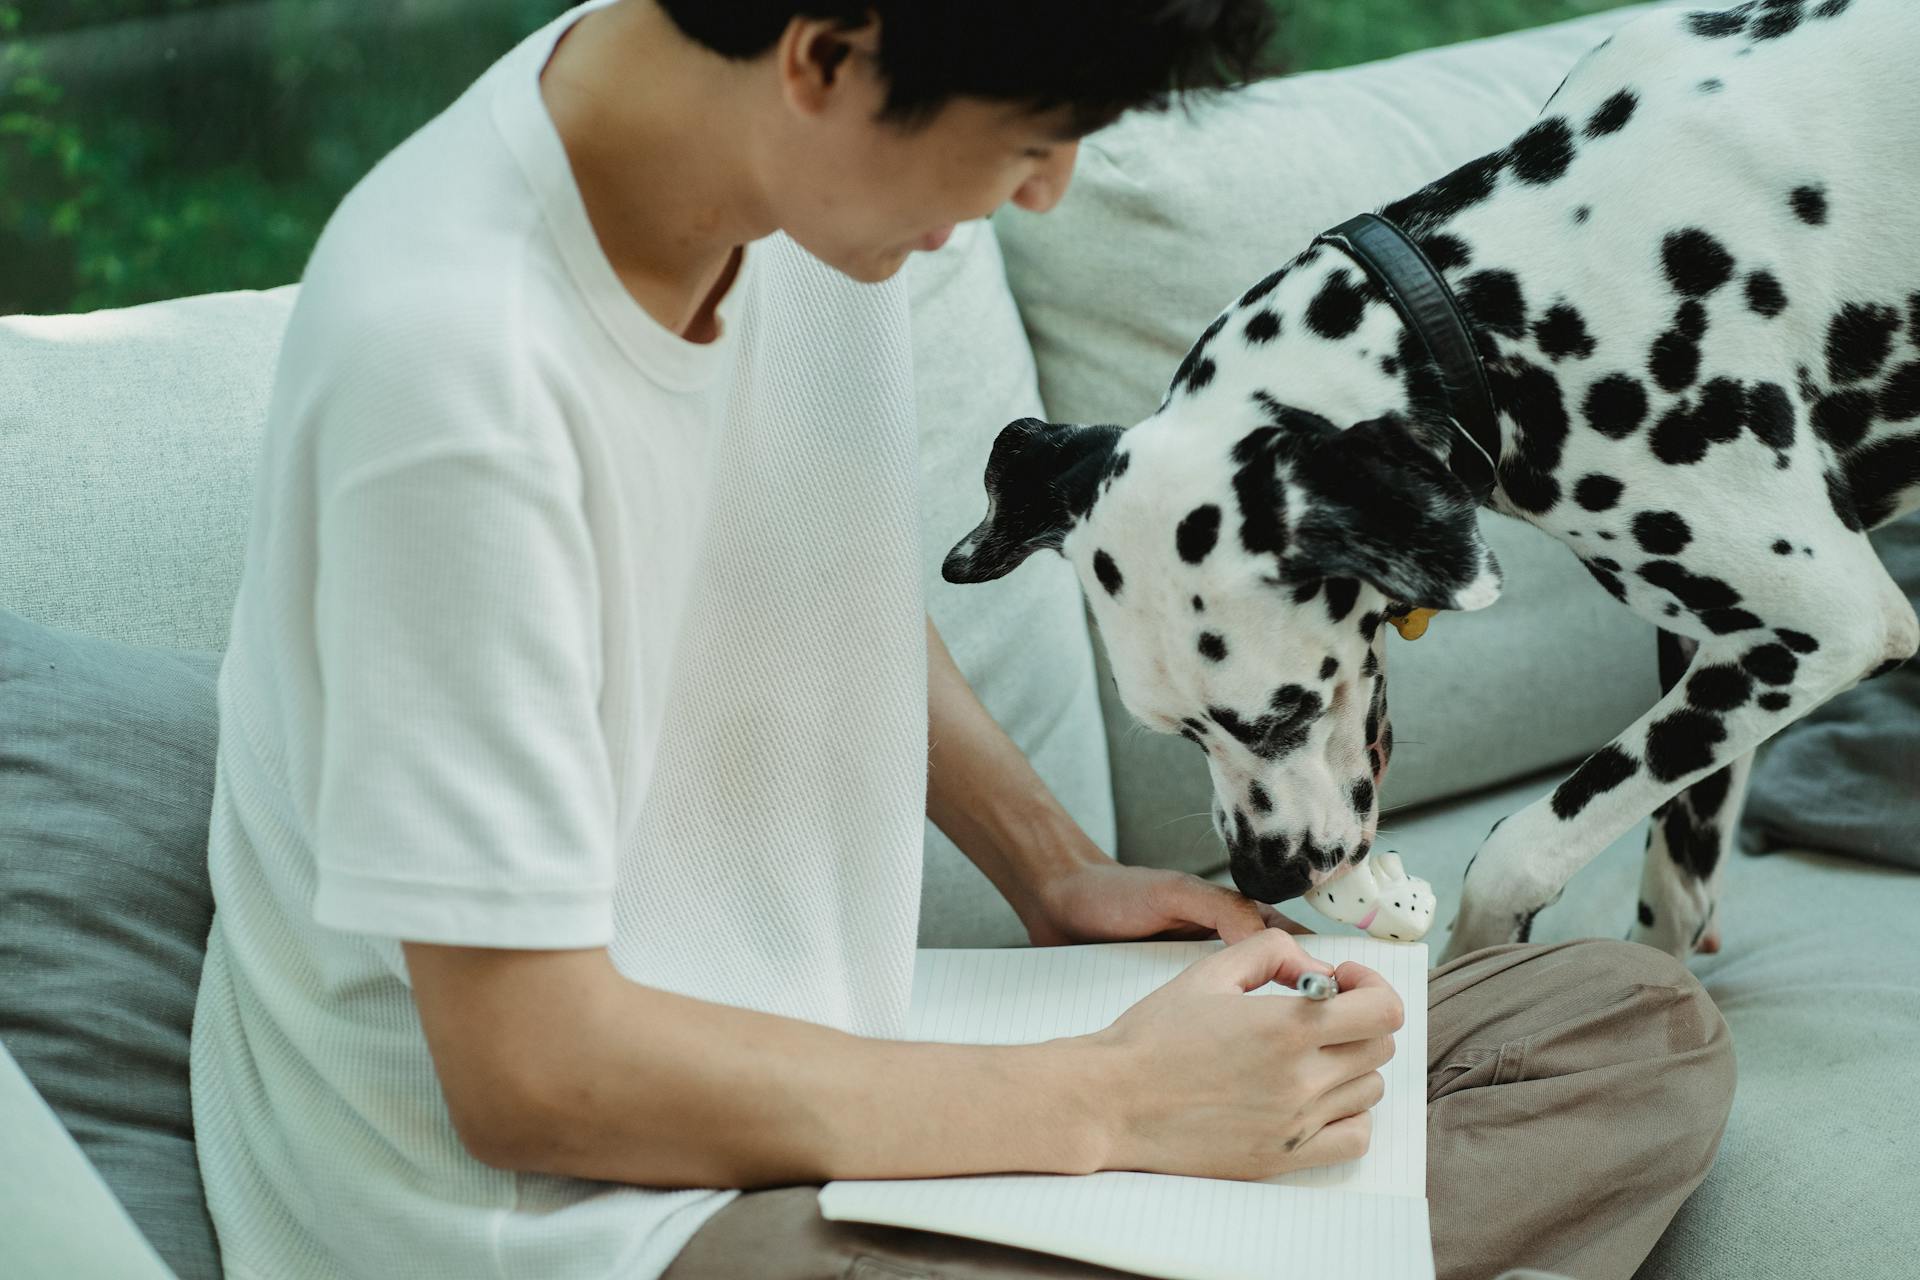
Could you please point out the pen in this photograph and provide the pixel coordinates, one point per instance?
(1317, 986)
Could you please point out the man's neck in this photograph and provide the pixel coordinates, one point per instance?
(656, 131)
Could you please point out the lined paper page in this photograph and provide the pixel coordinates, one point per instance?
(1012, 996)
(1159, 1225)
(1363, 1220)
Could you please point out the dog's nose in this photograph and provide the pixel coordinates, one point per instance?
(1279, 882)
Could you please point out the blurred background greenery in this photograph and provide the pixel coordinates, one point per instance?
(156, 148)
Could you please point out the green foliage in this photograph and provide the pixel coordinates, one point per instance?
(1316, 34)
(156, 148)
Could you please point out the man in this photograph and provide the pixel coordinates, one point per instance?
(565, 841)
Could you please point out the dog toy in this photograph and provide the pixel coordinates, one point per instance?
(1380, 897)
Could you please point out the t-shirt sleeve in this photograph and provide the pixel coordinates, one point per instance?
(465, 792)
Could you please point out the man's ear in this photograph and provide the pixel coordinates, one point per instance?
(812, 55)
(1041, 478)
(1389, 511)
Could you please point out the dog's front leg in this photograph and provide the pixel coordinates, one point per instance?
(1738, 691)
(1688, 844)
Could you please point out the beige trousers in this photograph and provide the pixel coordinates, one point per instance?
(1576, 1094)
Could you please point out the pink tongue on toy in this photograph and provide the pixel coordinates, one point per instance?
(1369, 918)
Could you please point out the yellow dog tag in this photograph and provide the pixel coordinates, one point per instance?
(1413, 623)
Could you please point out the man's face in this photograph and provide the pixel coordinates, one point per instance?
(861, 194)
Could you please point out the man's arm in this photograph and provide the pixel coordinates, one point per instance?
(553, 1062)
(983, 792)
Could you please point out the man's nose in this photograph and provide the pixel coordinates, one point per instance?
(1044, 188)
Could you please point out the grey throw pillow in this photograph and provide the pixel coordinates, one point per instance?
(106, 783)
(1847, 778)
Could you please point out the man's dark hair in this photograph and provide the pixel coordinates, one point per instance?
(1098, 58)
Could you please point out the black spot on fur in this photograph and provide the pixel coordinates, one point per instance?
(1341, 595)
(1362, 796)
(1798, 641)
(1493, 300)
(1712, 84)
(1581, 213)
(1695, 262)
(1858, 340)
(1682, 742)
(1723, 622)
(1721, 687)
(1612, 115)
(1730, 22)
(1770, 415)
(1764, 294)
(1328, 667)
(1259, 800)
(1604, 770)
(1841, 499)
(1264, 326)
(1776, 20)
(1335, 310)
(1879, 472)
(1369, 624)
(1674, 360)
(1530, 394)
(1446, 253)
(1663, 533)
(1685, 431)
(1900, 397)
(1197, 534)
(1307, 590)
(1781, 547)
(1262, 288)
(1615, 407)
(1809, 205)
(1690, 321)
(1190, 374)
(1695, 591)
(1596, 492)
(1107, 571)
(1370, 665)
(1885, 668)
(1199, 605)
(1543, 152)
(1609, 581)
(1201, 375)
(1770, 663)
(1198, 726)
(1213, 647)
(1562, 332)
(1842, 418)
(1646, 915)
(1772, 700)
(1439, 201)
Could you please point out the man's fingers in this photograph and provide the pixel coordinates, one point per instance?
(1366, 1014)
(1270, 955)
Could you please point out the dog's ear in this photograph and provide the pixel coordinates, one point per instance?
(1389, 511)
(1041, 477)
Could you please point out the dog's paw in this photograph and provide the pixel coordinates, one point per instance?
(1379, 897)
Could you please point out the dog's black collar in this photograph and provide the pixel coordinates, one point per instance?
(1421, 296)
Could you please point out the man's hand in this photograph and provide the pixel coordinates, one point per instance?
(1105, 901)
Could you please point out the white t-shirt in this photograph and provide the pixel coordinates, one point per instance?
(555, 630)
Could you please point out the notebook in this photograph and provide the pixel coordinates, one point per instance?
(1362, 1220)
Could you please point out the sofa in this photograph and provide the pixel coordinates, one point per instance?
(127, 447)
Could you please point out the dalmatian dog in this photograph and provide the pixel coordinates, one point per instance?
(1692, 287)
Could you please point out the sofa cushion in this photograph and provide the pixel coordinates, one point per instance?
(106, 783)
(128, 441)
(1169, 218)
(1021, 641)
(1847, 777)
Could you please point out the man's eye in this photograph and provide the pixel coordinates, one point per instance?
(1037, 153)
